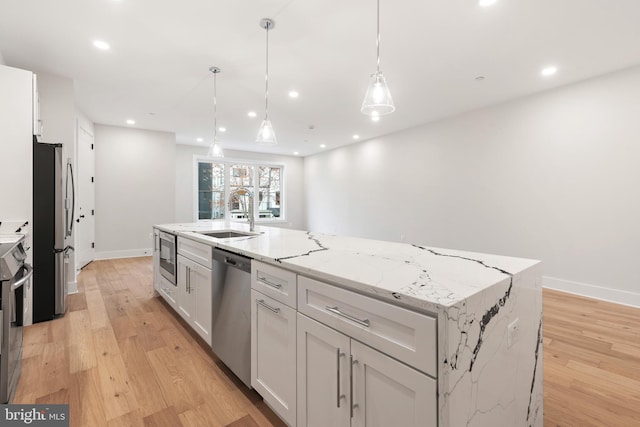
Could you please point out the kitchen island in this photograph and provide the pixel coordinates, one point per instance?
(486, 312)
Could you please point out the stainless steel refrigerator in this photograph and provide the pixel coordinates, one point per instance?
(53, 200)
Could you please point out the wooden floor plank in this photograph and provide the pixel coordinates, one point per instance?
(122, 357)
(82, 353)
(591, 362)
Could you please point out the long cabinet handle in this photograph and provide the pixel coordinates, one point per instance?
(336, 310)
(188, 287)
(338, 376)
(267, 306)
(267, 282)
(351, 362)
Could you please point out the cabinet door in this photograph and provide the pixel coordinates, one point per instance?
(389, 393)
(273, 354)
(323, 375)
(200, 290)
(156, 260)
(185, 299)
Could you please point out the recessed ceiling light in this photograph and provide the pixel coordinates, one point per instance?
(199, 139)
(323, 145)
(295, 153)
(251, 114)
(549, 71)
(131, 122)
(101, 45)
(487, 3)
(222, 129)
(356, 136)
(293, 94)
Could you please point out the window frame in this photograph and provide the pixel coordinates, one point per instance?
(228, 162)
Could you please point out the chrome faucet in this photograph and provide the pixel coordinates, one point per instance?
(248, 210)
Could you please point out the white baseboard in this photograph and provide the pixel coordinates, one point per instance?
(598, 292)
(72, 287)
(129, 253)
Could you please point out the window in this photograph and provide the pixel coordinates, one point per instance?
(217, 180)
(210, 191)
(269, 184)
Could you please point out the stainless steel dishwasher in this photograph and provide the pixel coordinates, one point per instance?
(231, 312)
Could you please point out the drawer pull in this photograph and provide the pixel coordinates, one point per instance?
(337, 311)
(266, 282)
(267, 306)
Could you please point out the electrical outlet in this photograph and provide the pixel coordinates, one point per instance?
(513, 333)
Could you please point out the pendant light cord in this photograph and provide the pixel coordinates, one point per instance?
(266, 78)
(378, 39)
(215, 108)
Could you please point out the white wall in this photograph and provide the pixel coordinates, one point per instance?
(135, 188)
(552, 177)
(293, 182)
(2, 59)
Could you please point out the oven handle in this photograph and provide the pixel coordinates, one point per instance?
(22, 281)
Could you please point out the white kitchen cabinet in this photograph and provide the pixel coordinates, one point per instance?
(186, 300)
(169, 292)
(342, 382)
(156, 260)
(389, 393)
(275, 282)
(406, 335)
(323, 375)
(194, 296)
(273, 354)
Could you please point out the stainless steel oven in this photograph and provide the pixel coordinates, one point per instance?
(14, 275)
(168, 266)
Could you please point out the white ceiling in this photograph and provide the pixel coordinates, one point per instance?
(157, 70)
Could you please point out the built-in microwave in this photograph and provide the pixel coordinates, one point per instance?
(168, 266)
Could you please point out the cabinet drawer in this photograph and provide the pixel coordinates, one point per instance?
(403, 334)
(275, 282)
(168, 291)
(196, 251)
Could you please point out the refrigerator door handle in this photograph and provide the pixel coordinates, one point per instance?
(61, 285)
(73, 198)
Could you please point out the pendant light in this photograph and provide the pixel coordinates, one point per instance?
(377, 101)
(215, 150)
(266, 136)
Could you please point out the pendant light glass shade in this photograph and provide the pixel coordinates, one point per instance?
(266, 135)
(215, 150)
(377, 101)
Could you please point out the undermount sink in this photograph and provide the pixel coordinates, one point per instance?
(226, 234)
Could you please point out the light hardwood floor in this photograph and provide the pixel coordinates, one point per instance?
(591, 362)
(121, 357)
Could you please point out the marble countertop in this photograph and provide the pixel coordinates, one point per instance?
(423, 277)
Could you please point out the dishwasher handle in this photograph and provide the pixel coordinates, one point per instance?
(229, 259)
